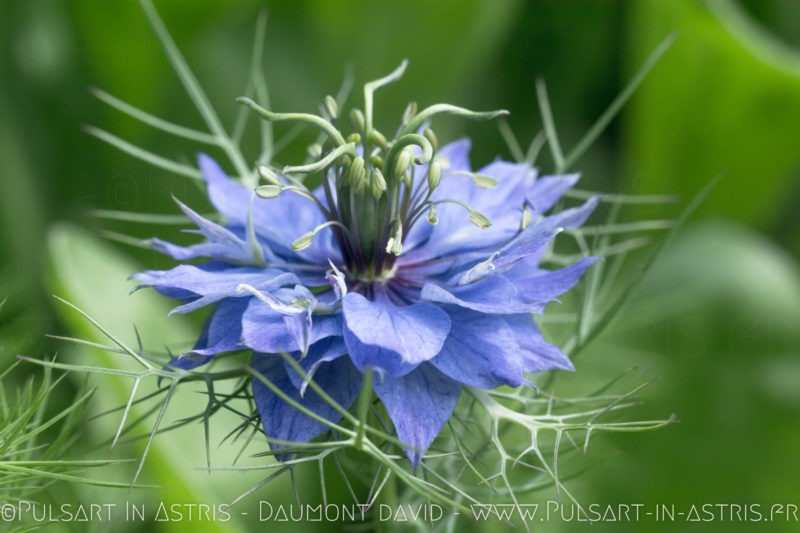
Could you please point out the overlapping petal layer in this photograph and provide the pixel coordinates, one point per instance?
(454, 311)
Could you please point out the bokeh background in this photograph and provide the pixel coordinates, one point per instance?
(717, 320)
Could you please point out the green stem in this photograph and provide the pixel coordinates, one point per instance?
(388, 497)
(364, 399)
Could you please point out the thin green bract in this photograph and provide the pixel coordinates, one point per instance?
(501, 444)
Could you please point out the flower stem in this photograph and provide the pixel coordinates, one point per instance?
(387, 497)
(364, 399)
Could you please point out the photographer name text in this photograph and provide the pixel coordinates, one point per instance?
(549, 511)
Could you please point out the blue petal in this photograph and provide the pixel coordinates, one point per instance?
(269, 331)
(549, 189)
(514, 181)
(493, 295)
(502, 204)
(393, 338)
(573, 217)
(455, 155)
(280, 220)
(183, 253)
(227, 196)
(480, 351)
(323, 351)
(264, 330)
(544, 286)
(222, 332)
(534, 238)
(222, 245)
(528, 246)
(419, 404)
(455, 234)
(376, 357)
(205, 284)
(538, 354)
(520, 290)
(281, 421)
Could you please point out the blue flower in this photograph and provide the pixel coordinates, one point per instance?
(404, 261)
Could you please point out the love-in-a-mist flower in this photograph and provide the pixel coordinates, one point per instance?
(404, 262)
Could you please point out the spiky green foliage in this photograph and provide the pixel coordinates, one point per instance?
(37, 437)
(499, 445)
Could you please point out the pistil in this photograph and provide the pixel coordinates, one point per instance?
(373, 193)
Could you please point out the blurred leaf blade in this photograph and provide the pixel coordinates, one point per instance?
(81, 268)
(719, 101)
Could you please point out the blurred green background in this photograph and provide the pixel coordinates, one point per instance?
(717, 321)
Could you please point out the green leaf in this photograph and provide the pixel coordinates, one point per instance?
(93, 276)
(716, 320)
(723, 99)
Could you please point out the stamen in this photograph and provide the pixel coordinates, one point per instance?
(336, 279)
(269, 175)
(434, 174)
(431, 136)
(378, 139)
(476, 217)
(314, 151)
(269, 191)
(378, 183)
(479, 219)
(331, 107)
(356, 172)
(408, 114)
(371, 194)
(480, 270)
(480, 180)
(402, 163)
(304, 241)
(357, 120)
(394, 245)
(527, 217)
(433, 217)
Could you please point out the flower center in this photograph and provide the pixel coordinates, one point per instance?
(375, 190)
